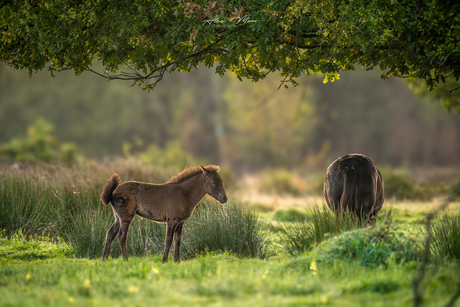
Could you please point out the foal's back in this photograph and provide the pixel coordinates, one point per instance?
(155, 202)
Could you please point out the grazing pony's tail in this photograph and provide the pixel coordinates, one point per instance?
(349, 192)
(110, 186)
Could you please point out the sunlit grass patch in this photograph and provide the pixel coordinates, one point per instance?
(20, 247)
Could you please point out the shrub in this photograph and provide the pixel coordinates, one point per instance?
(171, 156)
(401, 187)
(38, 146)
(319, 224)
(283, 182)
(445, 235)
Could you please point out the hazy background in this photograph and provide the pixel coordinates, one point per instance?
(244, 126)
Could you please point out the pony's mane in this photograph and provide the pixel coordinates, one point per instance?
(192, 171)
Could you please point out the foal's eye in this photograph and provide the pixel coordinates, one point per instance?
(214, 182)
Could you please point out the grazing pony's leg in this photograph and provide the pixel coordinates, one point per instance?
(177, 238)
(111, 233)
(170, 227)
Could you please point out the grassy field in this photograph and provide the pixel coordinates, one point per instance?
(52, 277)
(53, 227)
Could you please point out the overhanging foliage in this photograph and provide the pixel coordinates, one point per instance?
(250, 38)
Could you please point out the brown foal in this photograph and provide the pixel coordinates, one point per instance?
(172, 203)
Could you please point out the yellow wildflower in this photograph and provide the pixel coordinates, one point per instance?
(133, 289)
(313, 267)
(87, 284)
(155, 270)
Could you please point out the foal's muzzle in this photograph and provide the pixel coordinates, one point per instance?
(222, 198)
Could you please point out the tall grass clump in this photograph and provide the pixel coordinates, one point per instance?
(228, 228)
(86, 232)
(445, 235)
(319, 224)
(24, 203)
(86, 235)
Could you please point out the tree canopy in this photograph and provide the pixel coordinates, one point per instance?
(141, 40)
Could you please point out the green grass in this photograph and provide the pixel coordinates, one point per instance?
(214, 279)
(52, 231)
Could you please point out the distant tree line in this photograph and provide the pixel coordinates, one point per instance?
(242, 124)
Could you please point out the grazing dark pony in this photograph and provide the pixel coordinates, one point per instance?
(172, 203)
(353, 183)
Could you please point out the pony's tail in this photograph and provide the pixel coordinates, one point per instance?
(349, 192)
(110, 186)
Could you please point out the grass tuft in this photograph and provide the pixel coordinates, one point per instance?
(229, 228)
(319, 224)
(445, 235)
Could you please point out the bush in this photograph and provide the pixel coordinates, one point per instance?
(401, 187)
(38, 146)
(319, 224)
(171, 156)
(283, 182)
(445, 235)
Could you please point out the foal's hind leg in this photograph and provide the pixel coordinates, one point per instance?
(123, 234)
(125, 211)
(111, 233)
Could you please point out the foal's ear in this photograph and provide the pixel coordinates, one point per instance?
(205, 171)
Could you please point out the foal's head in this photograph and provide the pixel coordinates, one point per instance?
(213, 185)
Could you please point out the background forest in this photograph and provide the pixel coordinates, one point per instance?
(202, 117)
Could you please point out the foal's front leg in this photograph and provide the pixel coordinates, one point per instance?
(177, 239)
(170, 227)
